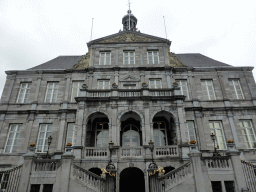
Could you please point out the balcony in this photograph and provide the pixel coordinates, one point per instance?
(130, 94)
(131, 152)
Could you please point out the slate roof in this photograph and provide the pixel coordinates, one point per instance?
(188, 59)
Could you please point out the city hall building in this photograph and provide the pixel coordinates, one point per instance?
(129, 115)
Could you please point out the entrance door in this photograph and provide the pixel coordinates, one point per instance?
(132, 180)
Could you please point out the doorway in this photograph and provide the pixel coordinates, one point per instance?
(132, 180)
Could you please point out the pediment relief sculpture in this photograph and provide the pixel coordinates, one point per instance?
(130, 78)
(173, 61)
(84, 62)
(128, 37)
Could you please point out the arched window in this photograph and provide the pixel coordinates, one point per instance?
(101, 134)
(131, 136)
(160, 135)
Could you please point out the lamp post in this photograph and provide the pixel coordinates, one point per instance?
(215, 153)
(111, 147)
(151, 147)
(49, 143)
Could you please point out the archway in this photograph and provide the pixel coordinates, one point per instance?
(132, 180)
(96, 170)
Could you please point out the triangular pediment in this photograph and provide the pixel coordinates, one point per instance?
(129, 78)
(129, 36)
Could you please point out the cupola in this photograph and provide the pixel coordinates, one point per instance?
(129, 19)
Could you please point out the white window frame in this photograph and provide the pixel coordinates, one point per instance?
(208, 84)
(234, 88)
(103, 55)
(50, 91)
(248, 134)
(154, 58)
(70, 133)
(154, 85)
(191, 130)
(23, 96)
(76, 86)
(101, 124)
(129, 85)
(106, 84)
(183, 88)
(15, 130)
(129, 57)
(219, 133)
(161, 129)
(46, 134)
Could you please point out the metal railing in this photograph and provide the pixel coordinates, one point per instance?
(10, 179)
(250, 175)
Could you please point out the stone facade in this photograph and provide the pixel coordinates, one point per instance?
(127, 113)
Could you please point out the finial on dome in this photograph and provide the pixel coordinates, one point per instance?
(129, 22)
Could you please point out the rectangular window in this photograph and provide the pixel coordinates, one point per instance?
(35, 188)
(230, 186)
(51, 92)
(248, 133)
(216, 128)
(208, 90)
(216, 186)
(4, 177)
(191, 130)
(13, 138)
(155, 84)
(105, 58)
(47, 187)
(42, 141)
(76, 86)
(24, 91)
(153, 57)
(129, 85)
(183, 87)
(103, 84)
(70, 133)
(236, 89)
(129, 57)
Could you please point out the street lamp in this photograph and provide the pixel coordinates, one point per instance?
(215, 153)
(111, 147)
(151, 147)
(49, 143)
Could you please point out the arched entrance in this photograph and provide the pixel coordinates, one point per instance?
(132, 180)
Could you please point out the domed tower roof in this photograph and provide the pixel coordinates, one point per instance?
(132, 21)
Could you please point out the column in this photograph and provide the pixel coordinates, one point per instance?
(192, 84)
(248, 78)
(233, 129)
(221, 80)
(38, 83)
(28, 125)
(184, 139)
(67, 88)
(195, 157)
(67, 159)
(8, 95)
(201, 131)
(146, 132)
(113, 133)
(61, 132)
(168, 77)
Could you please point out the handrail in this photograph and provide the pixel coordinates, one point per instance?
(89, 172)
(11, 169)
(176, 170)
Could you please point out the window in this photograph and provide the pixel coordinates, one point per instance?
(155, 84)
(129, 85)
(216, 128)
(105, 58)
(208, 90)
(183, 87)
(153, 57)
(102, 135)
(35, 188)
(248, 133)
(76, 85)
(4, 177)
(51, 92)
(46, 187)
(131, 137)
(159, 132)
(216, 186)
(42, 141)
(23, 96)
(13, 138)
(236, 89)
(191, 130)
(129, 57)
(103, 84)
(70, 133)
(230, 186)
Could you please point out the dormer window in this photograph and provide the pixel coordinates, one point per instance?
(129, 57)
(105, 58)
(153, 57)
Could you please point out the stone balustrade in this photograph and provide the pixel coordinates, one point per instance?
(218, 162)
(98, 152)
(46, 164)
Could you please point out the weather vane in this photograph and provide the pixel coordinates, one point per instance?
(129, 12)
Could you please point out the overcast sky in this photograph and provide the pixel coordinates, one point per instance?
(35, 31)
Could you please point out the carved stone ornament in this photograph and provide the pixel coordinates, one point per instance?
(128, 37)
(84, 62)
(173, 61)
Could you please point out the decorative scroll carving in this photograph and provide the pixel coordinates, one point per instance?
(173, 61)
(84, 62)
(128, 37)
